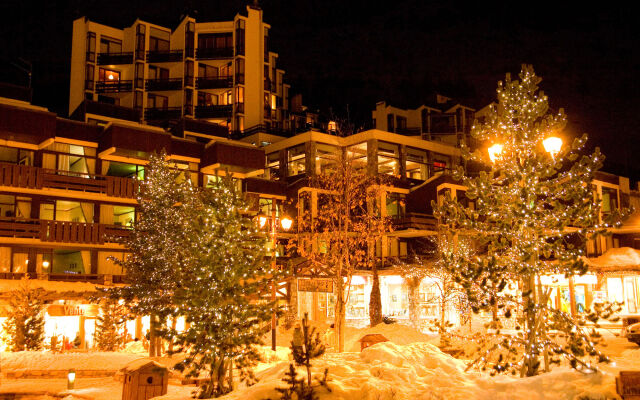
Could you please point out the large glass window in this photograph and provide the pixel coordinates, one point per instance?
(14, 155)
(395, 203)
(273, 166)
(296, 160)
(440, 164)
(417, 164)
(110, 45)
(62, 210)
(358, 155)
(71, 262)
(117, 215)
(123, 170)
(70, 158)
(12, 206)
(215, 40)
(388, 158)
(609, 200)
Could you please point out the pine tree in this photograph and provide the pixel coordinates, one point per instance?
(225, 277)
(109, 324)
(25, 323)
(534, 211)
(155, 246)
(305, 346)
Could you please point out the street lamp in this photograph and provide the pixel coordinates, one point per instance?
(285, 223)
(494, 152)
(552, 145)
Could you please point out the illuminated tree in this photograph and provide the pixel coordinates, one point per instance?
(155, 247)
(341, 236)
(24, 326)
(534, 211)
(109, 324)
(221, 290)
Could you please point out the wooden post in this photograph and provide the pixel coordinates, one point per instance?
(572, 296)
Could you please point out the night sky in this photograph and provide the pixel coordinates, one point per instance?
(347, 55)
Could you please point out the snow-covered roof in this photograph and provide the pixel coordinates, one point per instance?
(616, 258)
(142, 363)
(7, 285)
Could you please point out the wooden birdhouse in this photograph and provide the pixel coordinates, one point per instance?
(144, 379)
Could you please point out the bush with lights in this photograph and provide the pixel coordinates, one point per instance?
(534, 212)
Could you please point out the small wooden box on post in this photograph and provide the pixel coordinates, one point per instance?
(144, 379)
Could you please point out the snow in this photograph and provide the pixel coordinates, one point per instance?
(44, 360)
(396, 333)
(7, 285)
(143, 362)
(616, 257)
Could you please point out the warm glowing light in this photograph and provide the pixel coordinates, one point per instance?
(286, 223)
(71, 378)
(552, 145)
(495, 151)
(110, 77)
(333, 126)
(262, 220)
(45, 264)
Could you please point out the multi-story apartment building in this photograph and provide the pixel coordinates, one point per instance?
(443, 120)
(200, 79)
(68, 191)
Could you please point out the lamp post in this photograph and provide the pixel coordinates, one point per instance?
(285, 223)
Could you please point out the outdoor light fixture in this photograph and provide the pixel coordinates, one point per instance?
(262, 220)
(552, 145)
(494, 152)
(286, 223)
(110, 76)
(45, 264)
(71, 378)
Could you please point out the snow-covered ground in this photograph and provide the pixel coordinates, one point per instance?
(409, 366)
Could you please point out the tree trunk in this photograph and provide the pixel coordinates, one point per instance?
(414, 313)
(529, 366)
(152, 336)
(292, 307)
(375, 301)
(340, 314)
(174, 322)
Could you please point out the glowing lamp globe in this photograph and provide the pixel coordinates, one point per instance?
(262, 220)
(494, 152)
(552, 145)
(286, 223)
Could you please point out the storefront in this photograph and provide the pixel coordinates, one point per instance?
(67, 319)
(583, 287)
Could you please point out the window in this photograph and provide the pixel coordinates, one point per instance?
(71, 262)
(207, 71)
(89, 76)
(108, 75)
(390, 123)
(325, 157)
(266, 44)
(395, 203)
(140, 41)
(388, 158)
(609, 200)
(215, 40)
(207, 99)
(417, 166)
(240, 37)
(109, 45)
(15, 207)
(91, 46)
(157, 101)
(159, 40)
(158, 73)
(124, 170)
(273, 166)
(68, 159)
(296, 160)
(188, 73)
(70, 211)
(439, 165)
(13, 155)
(358, 155)
(189, 38)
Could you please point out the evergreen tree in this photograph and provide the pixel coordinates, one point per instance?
(305, 346)
(155, 246)
(534, 211)
(25, 323)
(220, 294)
(108, 325)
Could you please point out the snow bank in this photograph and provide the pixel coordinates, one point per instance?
(422, 371)
(396, 333)
(36, 360)
(7, 285)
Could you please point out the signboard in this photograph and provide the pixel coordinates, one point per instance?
(599, 296)
(315, 285)
(65, 310)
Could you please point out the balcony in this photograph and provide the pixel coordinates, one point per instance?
(223, 111)
(413, 220)
(219, 82)
(162, 114)
(61, 231)
(199, 126)
(113, 86)
(115, 58)
(161, 56)
(105, 109)
(204, 53)
(99, 279)
(29, 177)
(157, 85)
(15, 92)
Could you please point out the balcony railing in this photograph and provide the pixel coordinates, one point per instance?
(223, 111)
(113, 86)
(214, 83)
(409, 131)
(105, 109)
(36, 178)
(160, 114)
(204, 53)
(115, 58)
(160, 56)
(61, 231)
(156, 85)
(412, 220)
